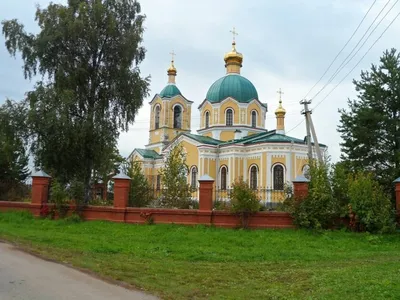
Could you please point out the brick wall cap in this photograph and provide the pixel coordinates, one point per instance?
(41, 174)
(300, 179)
(121, 176)
(397, 180)
(206, 177)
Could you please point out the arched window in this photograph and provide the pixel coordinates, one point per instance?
(177, 117)
(223, 178)
(207, 119)
(278, 177)
(253, 177)
(193, 178)
(157, 117)
(229, 117)
(254, 119)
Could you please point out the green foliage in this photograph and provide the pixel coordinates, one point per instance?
(176, 191)
(140, 194)
(371, 205)
(59, 196)
(88, 55)
(320, 208)
(244, 201)
(369, 128)
(13, 137)
(279, 264)
(340, 180)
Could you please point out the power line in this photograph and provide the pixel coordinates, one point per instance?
(341, 50)
(390, 24)
(346, 61)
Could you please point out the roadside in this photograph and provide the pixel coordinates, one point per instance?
(24, 276)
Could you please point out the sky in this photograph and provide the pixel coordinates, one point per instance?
(286, 44)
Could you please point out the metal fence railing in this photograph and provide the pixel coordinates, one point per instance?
(11, 190)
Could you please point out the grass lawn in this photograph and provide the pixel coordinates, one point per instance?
(177, 262)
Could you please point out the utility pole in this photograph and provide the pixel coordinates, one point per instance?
(310, 130)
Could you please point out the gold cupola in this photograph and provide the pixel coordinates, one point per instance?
(233, 59)
(280, 113)
(171, 70)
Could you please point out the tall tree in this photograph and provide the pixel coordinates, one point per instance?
(87, 54)
(13, 156)
(370, 128)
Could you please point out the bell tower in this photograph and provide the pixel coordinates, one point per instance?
(170, 113)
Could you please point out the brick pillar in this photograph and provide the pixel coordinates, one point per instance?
(206, 193)
(397, 189)
(40, 191)
(122, 184)
(300, 187)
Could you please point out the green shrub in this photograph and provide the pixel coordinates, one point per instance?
(244, 201)
(319, 209)
(59, 196)
(140, 193)
(372, 208)
(176, 191)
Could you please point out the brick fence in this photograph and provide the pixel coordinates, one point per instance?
(120, 212)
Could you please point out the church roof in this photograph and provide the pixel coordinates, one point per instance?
(232, 85)
(171, 90)
(203, 139)
(267, 137)
(146, 153)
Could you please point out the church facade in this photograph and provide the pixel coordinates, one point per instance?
(232, 141)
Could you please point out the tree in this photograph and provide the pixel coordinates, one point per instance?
(87, 54)
(13, 156)
(140, 190)
(176, 190)
(244, 201)
(370, 128)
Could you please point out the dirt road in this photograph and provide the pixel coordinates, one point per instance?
(26, 277)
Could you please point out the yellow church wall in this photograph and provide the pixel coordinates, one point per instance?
(300, 163)
(281, 160)
(250, 108)
(227, 135)
(229, 104)
(212, 168)
(206, 107)
(192, 154)
(152, 114)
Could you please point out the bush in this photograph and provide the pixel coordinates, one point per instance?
(140, 193)
(371, 206)
(319, 209)
(176, 190)
(59, 196)
(244, 201)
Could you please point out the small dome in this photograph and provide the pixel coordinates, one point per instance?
(171, 90)
(232, 85)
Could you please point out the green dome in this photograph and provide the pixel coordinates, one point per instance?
(170, 91)
(232, 85)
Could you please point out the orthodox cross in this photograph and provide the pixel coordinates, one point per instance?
(234, 33)
(280, 94)
(172, 54)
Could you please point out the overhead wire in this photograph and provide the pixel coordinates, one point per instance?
(341, 50)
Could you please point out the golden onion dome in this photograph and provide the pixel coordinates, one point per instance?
(171, 70)
(233, 57)
(280, 111)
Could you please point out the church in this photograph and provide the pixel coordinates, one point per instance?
(232, 141)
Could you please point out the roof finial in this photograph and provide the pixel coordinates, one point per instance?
(172, 70)
(172, 57)
(234, 34)
(280, 97)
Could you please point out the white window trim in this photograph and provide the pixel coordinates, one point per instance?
(273, 175)
(251, 118)
(220, 177)
(233, 116)
(257, 175)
